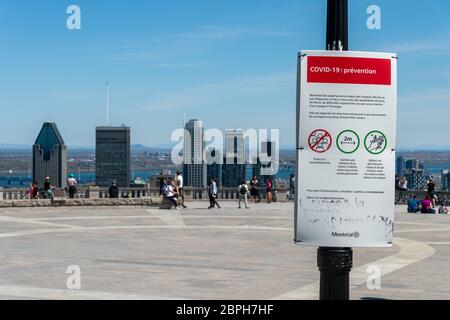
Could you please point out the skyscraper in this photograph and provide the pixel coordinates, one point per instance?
(445, 176)
(113, 156)
(50, 157)
(234, 168)
(194, 166)
(414, 172)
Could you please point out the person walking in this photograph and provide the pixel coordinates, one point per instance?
(113, 191)
(213, 194)
(269, 190)
(180, 187)
(72, 182)
(243, 193)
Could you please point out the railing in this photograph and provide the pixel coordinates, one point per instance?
(280, 195)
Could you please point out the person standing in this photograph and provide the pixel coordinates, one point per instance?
(113, 191)
(243, 193)
(254, 189)
(213, 194)
(34, 190)
(180, 187)
(72, 182)
(269, 190)
(431, 190)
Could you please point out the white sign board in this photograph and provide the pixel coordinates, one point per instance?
(347, 106)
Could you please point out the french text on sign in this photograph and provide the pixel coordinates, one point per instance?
(349, 70)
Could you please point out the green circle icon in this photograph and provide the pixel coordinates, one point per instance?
(375, 142)
(348, 141)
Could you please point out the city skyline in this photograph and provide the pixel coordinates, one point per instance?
(160, 66)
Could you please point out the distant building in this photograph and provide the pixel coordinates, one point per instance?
(234, 168)
(194, 166)
(113, 156)
(400, 166)
(50, 157)
(413, 170)
(445, 176)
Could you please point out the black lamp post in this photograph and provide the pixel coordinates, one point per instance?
(335, 264)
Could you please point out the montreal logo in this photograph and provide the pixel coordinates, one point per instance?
(355, 235)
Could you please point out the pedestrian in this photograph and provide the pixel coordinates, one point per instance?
(269, 190)
(213, 191)
(72, 182)
(254, 189)
(171, 193)
(180, 187)
(48, 189)
(431, 191)
(243, 194)
(113, 191)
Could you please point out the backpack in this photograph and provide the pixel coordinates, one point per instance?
(243, 190)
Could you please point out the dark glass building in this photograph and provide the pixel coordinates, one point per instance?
(214, 169)
(234, 168)
(50, 157)
(113, 156)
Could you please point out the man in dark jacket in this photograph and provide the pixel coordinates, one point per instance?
(114, 191)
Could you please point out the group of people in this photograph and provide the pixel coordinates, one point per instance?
(429, 204)
(172, 190)
(47, 192)
(426, 206)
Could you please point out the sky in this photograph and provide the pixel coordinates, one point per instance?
(229, 63)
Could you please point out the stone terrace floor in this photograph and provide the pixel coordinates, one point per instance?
(146, 253)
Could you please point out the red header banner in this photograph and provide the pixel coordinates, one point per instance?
(349, 70)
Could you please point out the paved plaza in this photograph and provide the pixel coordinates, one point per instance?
(147, 253)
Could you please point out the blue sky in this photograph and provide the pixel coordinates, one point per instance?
(230, 63)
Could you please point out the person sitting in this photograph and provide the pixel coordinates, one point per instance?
(427, 206)
(413, 205)
(171, 194)
(48, 189)
(443, 209)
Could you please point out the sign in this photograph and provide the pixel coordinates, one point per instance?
(346, 138)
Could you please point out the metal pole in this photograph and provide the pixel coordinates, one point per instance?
(335, 264)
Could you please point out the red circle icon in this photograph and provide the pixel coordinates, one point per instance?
(320, 141)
